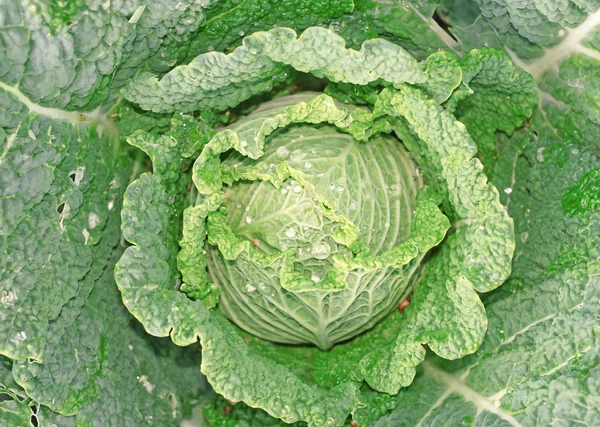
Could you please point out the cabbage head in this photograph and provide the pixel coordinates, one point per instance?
(321, 226)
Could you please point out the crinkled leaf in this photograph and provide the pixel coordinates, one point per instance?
(502, 97)
(410, 24)
(149, 291)
(229, 21)
(540, 355)
(215, 80)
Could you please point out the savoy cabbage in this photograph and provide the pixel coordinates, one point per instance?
(319, 212)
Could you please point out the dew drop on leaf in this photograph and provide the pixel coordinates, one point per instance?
(282, 152)
(320, 250)
(8, 298)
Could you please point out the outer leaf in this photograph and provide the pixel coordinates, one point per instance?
(96, 47)
(446, 312)
(410, 24)
(484, 90)
(59, 227)
(92, 47)
(149, 291)
(502, 98)
(541, 352)
(483, 218)
(220, 413)
(229, 21)
(444, 75)
(103, 370)
(61, 178)
(255, 66)
(52, 209)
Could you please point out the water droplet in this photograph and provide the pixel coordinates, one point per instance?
(250, 288)
(282, 152)
(21, 336)
(241, 33)
(249, 220)
(540, 154)
(8, 298)
(93, 220)
(315, 278)
(332, 186)
(284, 190)
(508, 190)
(267, 291)
(244, 144)
(524, 236)
(307, 165)
(297, 189)
(320, 250)
(353, 206)
(297, 155)
(290, 232)
(86, 235)
(340, 189)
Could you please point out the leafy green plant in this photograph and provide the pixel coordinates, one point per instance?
(312, 212)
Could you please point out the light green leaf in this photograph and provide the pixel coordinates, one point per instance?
(149, 292)
(260, 62)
